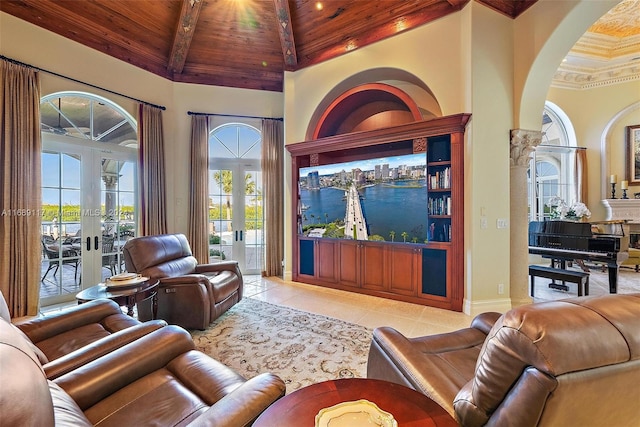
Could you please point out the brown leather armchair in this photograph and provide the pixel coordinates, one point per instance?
(158, 379)
(66, 339)
(191, 295)
(560, 363)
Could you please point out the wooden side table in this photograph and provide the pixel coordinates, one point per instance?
(409, 407)
(127, 296)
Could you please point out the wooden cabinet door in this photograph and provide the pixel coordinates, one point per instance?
(404, 264)
(349, 272)
(373, 266)
(327, 260)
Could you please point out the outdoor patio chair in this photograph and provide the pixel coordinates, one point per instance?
(109, 258)
(53, 255)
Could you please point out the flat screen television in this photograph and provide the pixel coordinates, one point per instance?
(383, 199)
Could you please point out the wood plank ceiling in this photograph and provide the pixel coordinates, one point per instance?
(237, 43)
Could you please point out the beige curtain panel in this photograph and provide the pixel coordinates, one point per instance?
(581, 176)
(153, 205)
(273, 185)
(20, 151)
(198, 191)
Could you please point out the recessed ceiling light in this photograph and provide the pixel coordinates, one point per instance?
(319, 5)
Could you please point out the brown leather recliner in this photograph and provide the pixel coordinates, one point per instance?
(66, 339)
(191, 295)
(560, 363)
(158, 379)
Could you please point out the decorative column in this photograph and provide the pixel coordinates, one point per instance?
(523, 142)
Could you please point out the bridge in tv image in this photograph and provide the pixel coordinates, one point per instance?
(382, 199)
(355, 224)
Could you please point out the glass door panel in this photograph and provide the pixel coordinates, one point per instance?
(117, 211)
(221, 235)
(88, 205)
(253, 222)
(61, 205)
(236, 233)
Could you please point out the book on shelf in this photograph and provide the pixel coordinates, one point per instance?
(439, 205)
(440, 179)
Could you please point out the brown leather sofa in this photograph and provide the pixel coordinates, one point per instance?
(574, 362)
(66, 339)
(191, 295)
(158, 379)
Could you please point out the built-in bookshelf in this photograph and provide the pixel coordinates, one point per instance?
(439, 205)
(428, 272)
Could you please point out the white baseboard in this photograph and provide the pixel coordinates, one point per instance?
(287, 275)
(473, 308)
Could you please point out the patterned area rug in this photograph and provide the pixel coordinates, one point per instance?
(301, 348)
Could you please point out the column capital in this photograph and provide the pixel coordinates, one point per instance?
(109, 179)
(522, 144)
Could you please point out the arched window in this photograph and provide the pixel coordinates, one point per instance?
(87, 116)
(554, 163)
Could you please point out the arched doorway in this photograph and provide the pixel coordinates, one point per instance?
(89, 191)
(235, 196)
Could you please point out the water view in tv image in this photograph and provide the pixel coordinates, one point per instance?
(382, 199)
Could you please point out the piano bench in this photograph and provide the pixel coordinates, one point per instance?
(580, 278)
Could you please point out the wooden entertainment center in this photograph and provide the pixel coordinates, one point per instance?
(429, 273)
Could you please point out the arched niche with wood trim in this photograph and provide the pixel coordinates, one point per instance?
(429, 272)
(367, 107)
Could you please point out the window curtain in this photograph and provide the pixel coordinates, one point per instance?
(581, 175)
(153, 205)
(20, 154)
(198, 191)
(273, 184)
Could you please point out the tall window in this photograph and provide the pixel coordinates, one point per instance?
(89, 167)
(552, 169)
(235, 196)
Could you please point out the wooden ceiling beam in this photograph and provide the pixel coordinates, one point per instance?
(183, 34)
(285, 30)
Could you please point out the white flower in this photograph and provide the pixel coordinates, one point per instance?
(580, 210)
(561, 210)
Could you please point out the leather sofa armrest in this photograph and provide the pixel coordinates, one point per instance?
(43, 327)
(96, 349)
(94, 381)
(423, 363)
(485, 321)
(219, 266)
(244, 404)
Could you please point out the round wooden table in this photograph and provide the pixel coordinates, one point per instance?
(127, 296)
(409, 407)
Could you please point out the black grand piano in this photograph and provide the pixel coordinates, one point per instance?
(562, 241)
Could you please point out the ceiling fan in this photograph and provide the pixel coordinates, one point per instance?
(58, 130)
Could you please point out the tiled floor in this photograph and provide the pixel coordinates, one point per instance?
(410, 319)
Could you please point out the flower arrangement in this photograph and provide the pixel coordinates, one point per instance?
(561, 210)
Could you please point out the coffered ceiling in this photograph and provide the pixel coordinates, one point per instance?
(608, 53)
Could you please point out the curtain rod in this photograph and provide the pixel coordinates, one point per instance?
(193, 113)
(561, 147)
(14, 61)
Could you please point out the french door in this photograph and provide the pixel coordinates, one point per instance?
(88, 213)
(235, 213)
